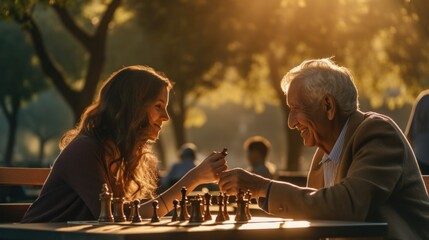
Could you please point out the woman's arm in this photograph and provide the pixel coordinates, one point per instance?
(207, 171)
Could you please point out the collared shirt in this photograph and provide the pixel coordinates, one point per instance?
(330, 161)
(329, 168)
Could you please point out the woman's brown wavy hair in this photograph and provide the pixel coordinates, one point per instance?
(120, 115)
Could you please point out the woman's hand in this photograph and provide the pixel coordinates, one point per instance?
(209, 169)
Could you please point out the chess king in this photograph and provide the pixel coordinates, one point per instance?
(363, 169)
(112, 144)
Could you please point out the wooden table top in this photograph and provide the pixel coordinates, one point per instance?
(257, 228)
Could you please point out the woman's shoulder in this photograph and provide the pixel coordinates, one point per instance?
(81, 148)
(83, 142)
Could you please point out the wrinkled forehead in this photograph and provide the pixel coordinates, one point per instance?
(294, 93)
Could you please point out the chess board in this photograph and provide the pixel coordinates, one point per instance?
(166, 221)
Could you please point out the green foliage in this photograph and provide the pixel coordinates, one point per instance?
(21, 75)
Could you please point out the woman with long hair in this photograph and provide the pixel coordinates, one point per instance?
(111, 145)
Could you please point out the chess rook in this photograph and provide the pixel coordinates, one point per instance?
(196, 214)
(118, 210)
(105, 205)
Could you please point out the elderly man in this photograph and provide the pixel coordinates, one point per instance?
(363, 170)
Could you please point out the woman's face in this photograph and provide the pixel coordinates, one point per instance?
(158, 114)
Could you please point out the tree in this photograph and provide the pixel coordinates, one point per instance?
(20, 80)
(193, 35)
(22, 12)
(42, 119)
(190, 43)
(409, 47)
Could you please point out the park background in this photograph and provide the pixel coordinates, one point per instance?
(226, 57)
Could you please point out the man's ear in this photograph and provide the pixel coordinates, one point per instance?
(329, 105)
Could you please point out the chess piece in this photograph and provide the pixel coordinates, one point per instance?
(248, 202)
(132, 211)
(240, 215)
(225, 206)
(174, 217)
(155, 217)
(207, 214)
(196, 215)
(118, 210)
(105, 205)
(184, 215)
(136, 215)
(220, 216)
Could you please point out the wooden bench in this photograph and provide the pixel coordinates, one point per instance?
(10, 176)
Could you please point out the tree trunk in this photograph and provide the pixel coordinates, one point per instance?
(95, 45)
(177, 117)
(293, 140)
(42, 151)
(12, 119)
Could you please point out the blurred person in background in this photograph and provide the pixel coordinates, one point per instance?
(417, 130)
(187, 161)
(257, 149)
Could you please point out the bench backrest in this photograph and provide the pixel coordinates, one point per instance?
(11, 176)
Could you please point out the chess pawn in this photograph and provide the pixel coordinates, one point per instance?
(105, 205)
(248, 202)
(155, 217)
(207, 214)
(136, 216)
(196, 215)
(225, 206)
(174, 217)
(118, 210)
(220, 216)
(241, 214)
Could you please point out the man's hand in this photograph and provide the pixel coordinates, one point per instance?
(233, 180)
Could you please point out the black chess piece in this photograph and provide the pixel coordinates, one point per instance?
(196, 214)
(225, 205)
(240, 215)
(105, 204)
(220, 216)
(248, 202)
(207, 202)
(132, 208)
(136, 216)
(118, 210)
(155, 217)
(174, 217)
(184, 215)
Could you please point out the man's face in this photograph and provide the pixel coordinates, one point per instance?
(309, 118)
